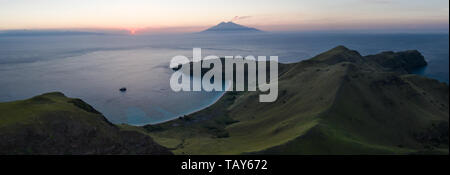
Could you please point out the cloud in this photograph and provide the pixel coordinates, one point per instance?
(237, 18)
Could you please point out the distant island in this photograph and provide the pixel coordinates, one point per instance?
(46, 33)
(228, 27)
(338, 102)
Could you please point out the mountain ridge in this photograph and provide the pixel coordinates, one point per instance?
(334, 103)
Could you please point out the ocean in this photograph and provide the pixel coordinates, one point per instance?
(95, 67)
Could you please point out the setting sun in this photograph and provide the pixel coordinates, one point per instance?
(132, 31)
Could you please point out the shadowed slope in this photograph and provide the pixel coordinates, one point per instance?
(54, 124)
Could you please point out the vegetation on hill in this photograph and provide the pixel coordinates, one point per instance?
(338, 102)
(54, 124)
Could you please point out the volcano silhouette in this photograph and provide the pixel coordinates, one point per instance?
(230, 27)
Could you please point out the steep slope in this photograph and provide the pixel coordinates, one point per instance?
(54, 124)
(381, 114)
(338, 102)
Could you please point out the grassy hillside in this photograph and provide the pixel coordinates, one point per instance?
(338, 102)
(54, 124)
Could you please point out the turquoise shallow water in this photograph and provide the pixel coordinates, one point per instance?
(93, 68)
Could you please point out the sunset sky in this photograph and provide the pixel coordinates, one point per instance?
(195, 15)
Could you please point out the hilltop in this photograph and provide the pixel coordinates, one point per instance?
(54, 124)
(338, 102)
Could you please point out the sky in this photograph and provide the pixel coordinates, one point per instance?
(196, 15)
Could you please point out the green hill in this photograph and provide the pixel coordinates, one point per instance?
(338, 102)
(54, 124)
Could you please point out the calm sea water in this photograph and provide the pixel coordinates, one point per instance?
(94, 67)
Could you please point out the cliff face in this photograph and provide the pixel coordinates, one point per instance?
(54, 124)
(338, 102)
